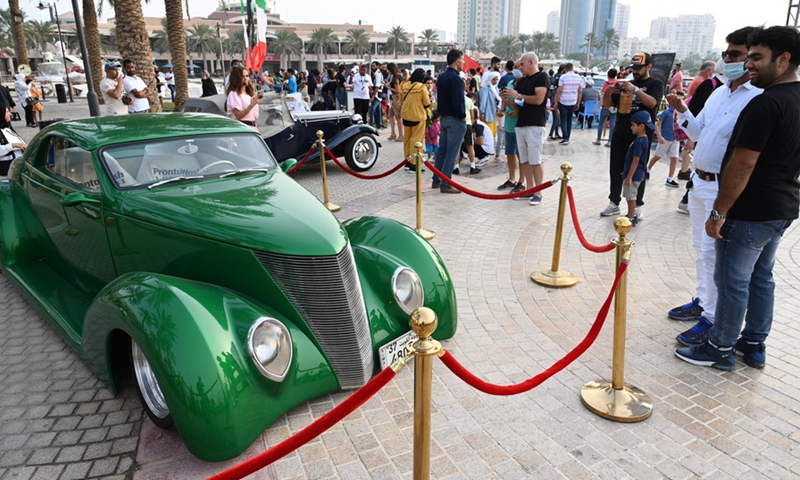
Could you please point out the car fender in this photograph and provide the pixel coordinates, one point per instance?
(17, 245)
(194, 337)
(342, 137)
(381, 245)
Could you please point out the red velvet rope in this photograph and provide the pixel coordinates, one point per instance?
(310, 432)
(490, 196)
(579, 232)
(534, 382)
(310, 150)
(362, 176)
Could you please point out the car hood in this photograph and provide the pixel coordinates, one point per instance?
(267, 213)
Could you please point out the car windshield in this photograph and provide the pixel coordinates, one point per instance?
(144, 163)
(274, 116)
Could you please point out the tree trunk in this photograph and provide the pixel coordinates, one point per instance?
(18, 30)
(177, 50)
(319, 60)
(92, 35)
(205, 64)
(135, 45)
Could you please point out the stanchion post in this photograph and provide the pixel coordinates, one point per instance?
(555, 277)
(423, 323)
(616, 400)
(321, 145)
(426, 234)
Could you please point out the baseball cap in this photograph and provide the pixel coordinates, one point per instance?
(643, 116)
(111, 66)
(641, 59)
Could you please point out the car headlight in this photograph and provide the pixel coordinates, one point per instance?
(357, 118)
(407, 289)
(270, 348)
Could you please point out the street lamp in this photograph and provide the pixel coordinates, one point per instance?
(52, 6)
(221, 52)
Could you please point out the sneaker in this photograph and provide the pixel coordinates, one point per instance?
(685, 175)
(633, 221)
(690, 312)
(695, 335)
(596, 143)
(683, 208)
(456, 171)
(535, 200)
(518, 187)
(410, 168)
(564, 142)
(639, 214)
(753, 353)
(482, 162)
(611, 209)
(507, 184)
(707, 355)
(449, 190)
(671, 183)
(647, 175)
(474, 170)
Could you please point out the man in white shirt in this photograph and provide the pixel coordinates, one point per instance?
(136, 89)
(711, 130)
(170, 78)
(111, 88)
(568, 100)
(484, 143)
(375, 117)
(362, 91)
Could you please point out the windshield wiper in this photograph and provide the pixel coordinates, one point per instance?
(245, 170)
(173, 180)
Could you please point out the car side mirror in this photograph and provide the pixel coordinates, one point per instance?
(77, 198)
(288, 164)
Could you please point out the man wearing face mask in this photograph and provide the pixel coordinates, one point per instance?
(711, 129)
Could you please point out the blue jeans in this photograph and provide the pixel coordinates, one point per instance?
(612, 121)
(375, 113)
(566, 119)
(743, 275)
(450, 137)
(341, 96)
(171, 92)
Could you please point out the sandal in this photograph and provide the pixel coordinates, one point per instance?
(596, 143)
(392, 137)
(399, 139)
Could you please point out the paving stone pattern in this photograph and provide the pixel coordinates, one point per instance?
(706, 423)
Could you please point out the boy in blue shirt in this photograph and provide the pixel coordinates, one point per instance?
(636, 160)
(668, 145)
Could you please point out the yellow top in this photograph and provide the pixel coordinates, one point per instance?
(415, 99)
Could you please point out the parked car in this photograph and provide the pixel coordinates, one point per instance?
(290, 132)
(172, 247)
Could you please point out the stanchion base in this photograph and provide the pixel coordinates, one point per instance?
(559, 279)
(333, 208)
(426, 234)
(627, 405)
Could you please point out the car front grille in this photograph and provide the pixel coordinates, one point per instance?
(327, 293)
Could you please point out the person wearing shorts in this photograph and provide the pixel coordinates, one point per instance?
(636, 161)
(668, 145)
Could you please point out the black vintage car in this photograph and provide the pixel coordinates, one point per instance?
(290, 133)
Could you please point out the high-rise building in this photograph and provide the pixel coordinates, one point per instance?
(552, 22)
(574, 24)
(487, 19)
(687, 34)
(605, 12)
(622, 20)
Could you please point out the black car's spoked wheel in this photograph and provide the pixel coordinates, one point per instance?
(150, 393)
(361, 152)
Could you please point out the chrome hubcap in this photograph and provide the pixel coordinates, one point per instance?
(363, 153)
(148, 385)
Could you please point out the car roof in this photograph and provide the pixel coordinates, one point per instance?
(96, 132)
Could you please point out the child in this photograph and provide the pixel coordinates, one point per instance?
(636, 160)
(668, 146)
(432, 136)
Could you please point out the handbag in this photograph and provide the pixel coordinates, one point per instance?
(32, 100)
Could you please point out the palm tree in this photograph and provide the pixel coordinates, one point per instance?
(202, 39)
(108, 43)
(398, 39)
(524, 41)
(177, 49)
(506, 47)
(610, 40)
(357, 41)
(550, 45)
(320, 41)
(91, 33)
(160, 43)
(18, 32)
(134, 44)
(286, 43)
(481, 45)
(39, 33)
(429, 39)
(234, 44)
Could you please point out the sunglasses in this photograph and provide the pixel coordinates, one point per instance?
(732, 54)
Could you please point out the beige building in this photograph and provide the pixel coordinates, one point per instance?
(487, 19)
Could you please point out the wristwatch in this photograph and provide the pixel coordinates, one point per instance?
(716, 216)
(636, 89)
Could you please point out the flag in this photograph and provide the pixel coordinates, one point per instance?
(259, 52)
(246, 39)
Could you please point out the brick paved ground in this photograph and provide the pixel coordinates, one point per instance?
(706, 423)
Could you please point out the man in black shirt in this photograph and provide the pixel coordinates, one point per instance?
(452, 111)
(645, 93)
(759, 196)
(530, 93)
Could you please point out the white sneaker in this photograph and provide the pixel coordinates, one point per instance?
(611, 209)
(482, 162)
(639, 214)
(683, 208)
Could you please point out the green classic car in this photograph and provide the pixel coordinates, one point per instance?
(172, 248)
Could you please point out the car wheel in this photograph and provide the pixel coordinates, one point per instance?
(361, 152)
(150, 393)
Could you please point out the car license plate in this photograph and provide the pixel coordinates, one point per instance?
(396, 348)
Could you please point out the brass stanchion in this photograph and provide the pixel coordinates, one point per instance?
(426, 234)
(423, 323)
(616, 400)
(555, 277)
(321, 145)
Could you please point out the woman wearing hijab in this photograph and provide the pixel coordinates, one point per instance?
(11, 146)
(23, 94)
(415, 100)
(488, 98)
(208, 85)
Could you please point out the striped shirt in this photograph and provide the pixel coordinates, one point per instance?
(570, 83)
